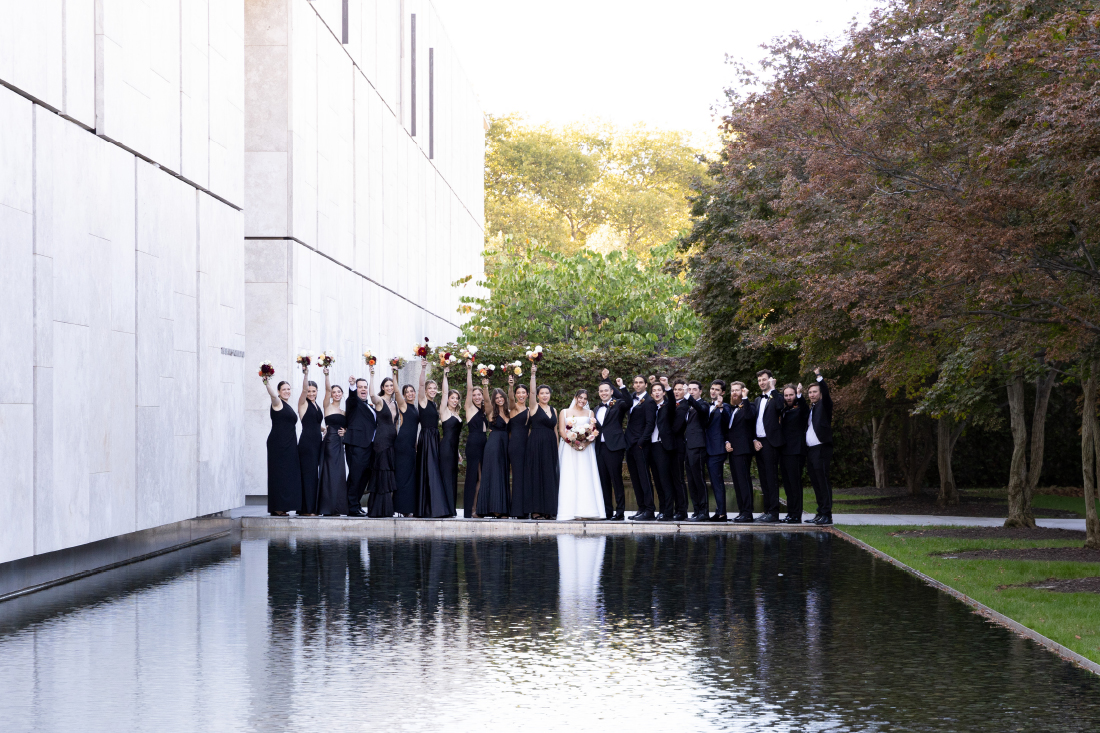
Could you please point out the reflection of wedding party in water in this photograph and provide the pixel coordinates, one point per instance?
(400, 447)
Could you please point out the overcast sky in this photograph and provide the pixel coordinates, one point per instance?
(662, 63)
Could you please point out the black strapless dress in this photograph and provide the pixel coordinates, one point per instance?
(448, 460)
(309, 456)
(492, 496)
(333, 494)
(284, 479)
(517, 449)
(432, 497)
(382, 481)
(404, 467)
(475, 448)
(540, 464)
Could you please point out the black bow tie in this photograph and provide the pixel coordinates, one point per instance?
(605, 404)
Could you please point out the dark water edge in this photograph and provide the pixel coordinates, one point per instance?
(784, 632)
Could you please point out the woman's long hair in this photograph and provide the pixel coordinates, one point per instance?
(501, 410)
(382, 387)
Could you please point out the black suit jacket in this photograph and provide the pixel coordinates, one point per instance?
(611, 429)
(690, 425)
(773, 412)
(741, 431)
(794, 426)
(716, 422)
(361, 422)
(639, 422)
(663, 419)
(822, 415)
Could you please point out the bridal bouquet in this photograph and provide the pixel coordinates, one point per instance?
(304, 359)
(485, 370)
(535, 354)
(326, 359)
(397, 362)
(515, 367)
(422, 351)
(370, 358)
(576, 435)
(447, 358)
(266, 370)
(469, 352)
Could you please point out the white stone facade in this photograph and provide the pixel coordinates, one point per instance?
(185, 180)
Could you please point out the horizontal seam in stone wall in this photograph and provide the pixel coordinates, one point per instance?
(353, 270)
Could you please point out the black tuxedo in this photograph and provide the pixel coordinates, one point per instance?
(794, 435)
(691, 451)
(769, 409)
(662, 452)
(358, 444)
(715, 440)
(638, 430)
(818, 457)
(610, 449)
(740, 429)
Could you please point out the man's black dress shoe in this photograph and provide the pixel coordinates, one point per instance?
(743, 519)
(680, 517)
(768, 518)
(719, 518)
(617, 517)
(815, 520)
(825, 519)
(699, 517)
(663, 517)
(634, 516)
(357, 512)
(790, 519)
(644, 517)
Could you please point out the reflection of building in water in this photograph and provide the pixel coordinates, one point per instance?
(580, 560)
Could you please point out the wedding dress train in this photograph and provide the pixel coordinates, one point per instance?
(580, 494)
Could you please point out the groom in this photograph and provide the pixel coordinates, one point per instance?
(611, 447)
(639, 428)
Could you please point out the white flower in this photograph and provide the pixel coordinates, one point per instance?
(538, 349)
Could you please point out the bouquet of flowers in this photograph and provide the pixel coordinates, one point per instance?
(397, 362)
(514, 367)
(304, 359)
(370, 358)
(326, 359)
(422, 351)
(447, 358)
(266, 370)
(469, 352)
(486, 370)
(577, 435)
(535, 355)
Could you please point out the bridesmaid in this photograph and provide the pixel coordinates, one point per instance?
(517, 445)
(540, 467)
(432, 498)
(383, 484)
(404, 452)
(284, 480)
(492, 496)
(309, 444)
(475, 441)
(333, 494)
(449, 457)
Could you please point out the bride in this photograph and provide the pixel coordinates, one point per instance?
(580, 495)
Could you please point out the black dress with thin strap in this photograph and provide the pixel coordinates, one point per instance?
(475, 448)
(382, 481)
(448, 459)
(492, 496)
(333, 489)
(309, 456)
(432, 496)
(284, 479)
(517, 449)
(540, 466)
(404, 456)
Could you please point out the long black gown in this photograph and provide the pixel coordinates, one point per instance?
(284, 480)
(448, 459)
(404, 467)
(382, 481)
(309, 456)
(540, 465)
(333, 491)
(492, 495)
(517, 450)
(475, 448)
(432, 497)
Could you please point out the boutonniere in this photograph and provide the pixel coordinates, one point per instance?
(611, 403)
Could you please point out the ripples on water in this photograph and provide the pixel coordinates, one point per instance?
(680, 633)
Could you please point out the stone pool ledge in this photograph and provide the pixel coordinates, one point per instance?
(410, 527)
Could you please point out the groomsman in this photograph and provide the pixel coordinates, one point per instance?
(662, 449)
(819, 447)
(358, 442)
(768, 443)
(679, 488)
(718, 415)
(739, 445)
(638, 430)
(795, 416)
(610, 448)
(691, 421)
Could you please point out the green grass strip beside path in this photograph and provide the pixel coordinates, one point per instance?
(1071, 619)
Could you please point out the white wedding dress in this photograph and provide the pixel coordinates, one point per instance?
(580, 495)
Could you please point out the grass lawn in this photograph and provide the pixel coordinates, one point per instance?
(1071, 619)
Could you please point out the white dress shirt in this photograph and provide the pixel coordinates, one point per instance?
(656, 437)
(601, 411)
(760, 431)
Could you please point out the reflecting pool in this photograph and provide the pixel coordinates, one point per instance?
(304, 632)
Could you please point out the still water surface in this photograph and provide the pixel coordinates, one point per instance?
(798, 632)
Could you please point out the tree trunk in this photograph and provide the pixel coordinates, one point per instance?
(1043, 385)
(1090, 454)
(1019, 507)
(915, 450)
(947, 434)
(904, 429)
(878, 449)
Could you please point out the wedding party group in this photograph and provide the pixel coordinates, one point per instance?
(525, 459)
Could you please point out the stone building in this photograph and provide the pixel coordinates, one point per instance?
(188, 188)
